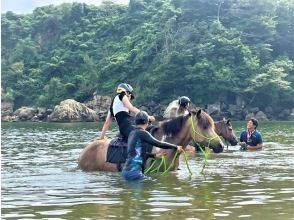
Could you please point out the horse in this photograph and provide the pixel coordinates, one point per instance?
(198, 126)
(225, 130)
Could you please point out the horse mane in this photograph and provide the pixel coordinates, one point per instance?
(174, 125)
(204, 120)
(152, 129)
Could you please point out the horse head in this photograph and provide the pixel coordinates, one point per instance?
(224, 129)
(203, 131)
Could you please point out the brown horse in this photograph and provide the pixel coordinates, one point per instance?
(180, 131)
(225, 130)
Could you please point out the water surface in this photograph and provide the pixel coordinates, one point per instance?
(40, 179)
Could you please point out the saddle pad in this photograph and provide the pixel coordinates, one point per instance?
(117, 151)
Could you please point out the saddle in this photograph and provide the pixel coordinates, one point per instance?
(117, 152)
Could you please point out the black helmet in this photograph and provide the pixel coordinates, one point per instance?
(141, 118)
(184, 100)
(124, 87)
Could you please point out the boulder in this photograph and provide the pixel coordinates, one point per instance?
(261, 116)
(6, 108)
(284, 114)
(72, 111)
(291, 116)
(249, 115)
(99, 103)
(254, 110)
(25, 113)
(213, 108)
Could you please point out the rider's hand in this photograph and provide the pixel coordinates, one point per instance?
(151, 118)
(102, 138)
(243, 146)
(179, 149)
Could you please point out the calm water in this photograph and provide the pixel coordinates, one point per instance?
(40, 179)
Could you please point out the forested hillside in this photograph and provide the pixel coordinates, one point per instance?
(207, 50)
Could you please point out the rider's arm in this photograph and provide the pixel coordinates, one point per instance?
(146, 137)
(129, 105)
(106, 125)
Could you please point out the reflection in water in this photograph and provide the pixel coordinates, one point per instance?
(40, 179)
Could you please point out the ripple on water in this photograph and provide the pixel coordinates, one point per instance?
(40, 180)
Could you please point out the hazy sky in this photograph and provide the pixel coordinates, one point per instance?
(27, 6)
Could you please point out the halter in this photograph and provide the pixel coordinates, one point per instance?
(195, 132)
(205, 154)
(226, 132)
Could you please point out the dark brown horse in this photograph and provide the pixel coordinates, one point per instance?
(225, 130)
(198, 126)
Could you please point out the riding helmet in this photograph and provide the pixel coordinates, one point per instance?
(184, 100)
(141, 118)
(124, 87)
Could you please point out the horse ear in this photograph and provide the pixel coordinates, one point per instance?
(198, 113)
(229, 122)
(192, 112)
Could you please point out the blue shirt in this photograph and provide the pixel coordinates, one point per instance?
(253, 140)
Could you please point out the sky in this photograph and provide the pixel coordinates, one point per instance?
(27, 6)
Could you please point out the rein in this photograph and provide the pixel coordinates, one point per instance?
(163, 162)
(205, 153)
(195, 132)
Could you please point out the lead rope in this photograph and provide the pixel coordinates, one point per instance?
(163, 162)
(205, 153)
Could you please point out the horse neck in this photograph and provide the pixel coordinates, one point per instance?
(182, 138)
(218, 127)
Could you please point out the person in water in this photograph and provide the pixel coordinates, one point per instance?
(138, 141)
(120, 109)
(251, 138)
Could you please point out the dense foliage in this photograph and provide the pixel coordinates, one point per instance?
(208, 50)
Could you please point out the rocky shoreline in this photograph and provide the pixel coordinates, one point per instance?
(96, 110)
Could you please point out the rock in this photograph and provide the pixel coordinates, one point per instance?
(6, 109)
(269, 111)
(291, 116)
(25, 113)
(249, 116)
(284, 114)
(72, 111)
(99, 103)
(213, 108)
(9, 118)
(261, 116)
(35, 118)
(254, 110)
(144, 108)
